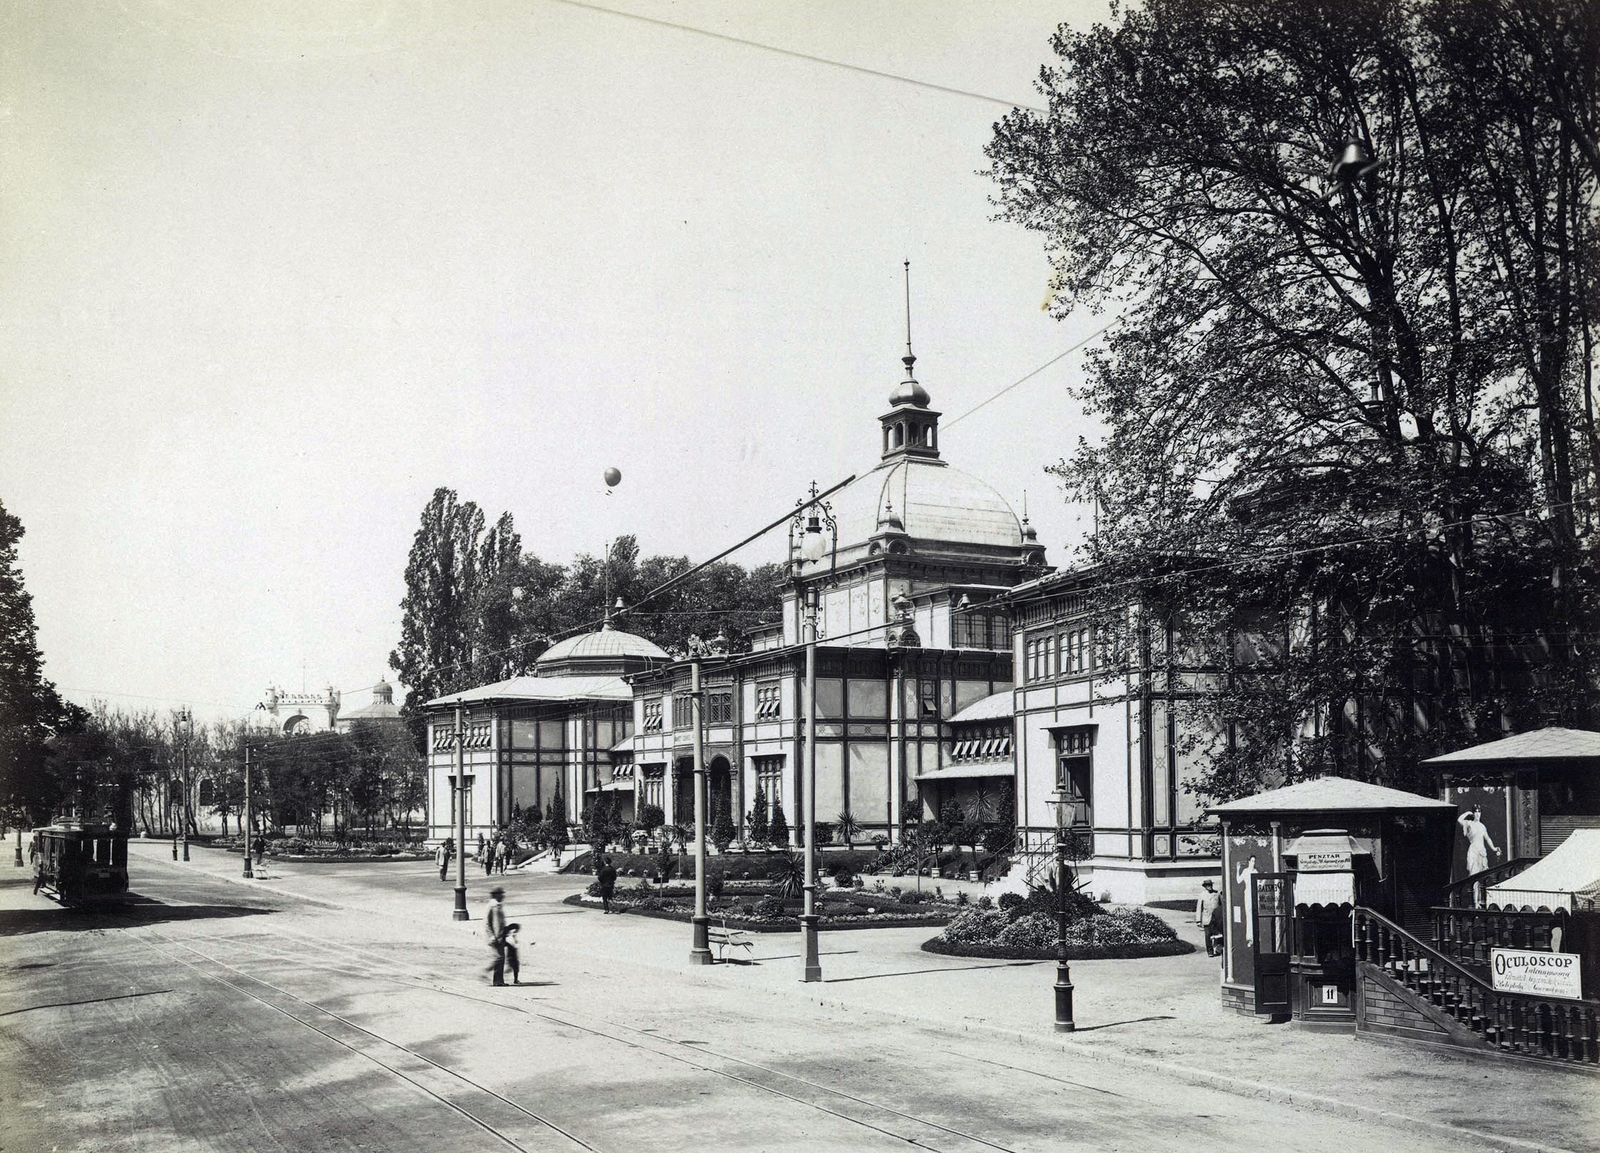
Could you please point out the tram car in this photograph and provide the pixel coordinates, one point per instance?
(80, 864)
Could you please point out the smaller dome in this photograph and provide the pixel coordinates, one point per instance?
(382, 691)
(910, 392)
(888, 521)
(607, 643)
(1028, 534)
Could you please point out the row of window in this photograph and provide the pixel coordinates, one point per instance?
(981, 631)
(992, 742)
(1060, 654)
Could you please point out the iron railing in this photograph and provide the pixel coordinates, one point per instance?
(1548, 1028)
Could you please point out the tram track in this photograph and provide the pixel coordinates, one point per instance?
(877, 1117)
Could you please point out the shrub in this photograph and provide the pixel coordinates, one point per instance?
(985, 902)
(594, 889)
(975, 927)
(1035, 931)
(778, 828)
(1147, 925)
(844, 877)
(962, 898)
(768, 909)
(715, 883)
(913, 897)
(1010, 900)
(746, 909)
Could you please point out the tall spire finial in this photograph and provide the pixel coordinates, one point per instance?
(908, 359)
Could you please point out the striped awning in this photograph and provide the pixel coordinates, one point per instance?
(986, 747)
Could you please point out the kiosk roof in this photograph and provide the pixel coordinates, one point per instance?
(1539, 745)
(1329, 794)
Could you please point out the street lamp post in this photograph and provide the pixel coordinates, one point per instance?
(700, 946)
(1063, 987)
(173, 806)
(183, 772)
(247, 871)
(808, 802)
(460, 791)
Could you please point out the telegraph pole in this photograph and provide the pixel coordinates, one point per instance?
(183, 762)
(248, 872)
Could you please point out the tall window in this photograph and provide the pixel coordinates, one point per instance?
(930, 698)
(769, 702)
(719, 707)
(653, 786)
(974, 630)
(769, 775)
(652, 715)
(682, 711)
(1075, 771)
(1076, 647)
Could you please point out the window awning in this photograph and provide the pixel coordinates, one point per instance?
(613, 787)
(969, 771)
(1325, 889)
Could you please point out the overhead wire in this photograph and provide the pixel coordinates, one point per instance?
(794, 54)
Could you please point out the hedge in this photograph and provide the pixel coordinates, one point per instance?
(1131, 951)
(787, 925)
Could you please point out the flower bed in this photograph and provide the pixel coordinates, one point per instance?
(304, 849)
(763, 912)
(1025, 931)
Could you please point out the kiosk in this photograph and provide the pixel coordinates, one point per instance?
(1295, 862)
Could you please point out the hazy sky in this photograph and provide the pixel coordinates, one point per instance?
(272, 272)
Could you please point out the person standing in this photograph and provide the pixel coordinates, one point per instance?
(513, 955)
(607, 877)
(260, 848)
(1208, 915)
(487, 856)
(494, 924)
(441, 857)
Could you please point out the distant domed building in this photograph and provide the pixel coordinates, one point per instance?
(382, 710)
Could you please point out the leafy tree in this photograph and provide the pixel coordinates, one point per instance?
(651, 818)
(31, 711)
(1349, 419)
(778, 828)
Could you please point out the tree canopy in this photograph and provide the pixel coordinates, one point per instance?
(1348, 411)
(479, 608)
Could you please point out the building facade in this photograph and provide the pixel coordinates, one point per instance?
(900, 573)
(1109, 742)
(530, 739)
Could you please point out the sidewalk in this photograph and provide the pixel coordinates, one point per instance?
(1156, 1014)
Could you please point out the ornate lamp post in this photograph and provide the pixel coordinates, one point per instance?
(1063, 806)
(459, 795)
(700, 945)
(808, 520)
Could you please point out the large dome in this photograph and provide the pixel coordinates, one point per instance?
(608, 645)
(931, 500)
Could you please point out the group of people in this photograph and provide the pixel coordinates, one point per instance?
(495, 855)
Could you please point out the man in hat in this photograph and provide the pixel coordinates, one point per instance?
(494, 924)
(1208, 915)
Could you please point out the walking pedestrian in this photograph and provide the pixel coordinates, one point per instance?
(1208, 915)
(494, 924)
(487, 855)
(261, 849)
(480, 846)
(501, 852)
(607, 876)
(513, 956)
(446, 852)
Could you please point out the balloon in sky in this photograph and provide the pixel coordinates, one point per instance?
(613, 477)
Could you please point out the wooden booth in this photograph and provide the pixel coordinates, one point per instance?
(1295, 862)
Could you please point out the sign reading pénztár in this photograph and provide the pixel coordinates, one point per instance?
(1530, 971)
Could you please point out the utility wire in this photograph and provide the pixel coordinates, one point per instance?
(1024, 379)
(795, 55)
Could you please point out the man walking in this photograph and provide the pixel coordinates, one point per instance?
(494, 924)
(607, 876)
(443, 856)
(1208, 915)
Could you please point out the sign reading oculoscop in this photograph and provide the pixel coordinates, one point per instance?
(1541, 974)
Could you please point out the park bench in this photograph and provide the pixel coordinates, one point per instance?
(723, 938)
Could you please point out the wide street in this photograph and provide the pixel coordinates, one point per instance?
(337, 1007)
